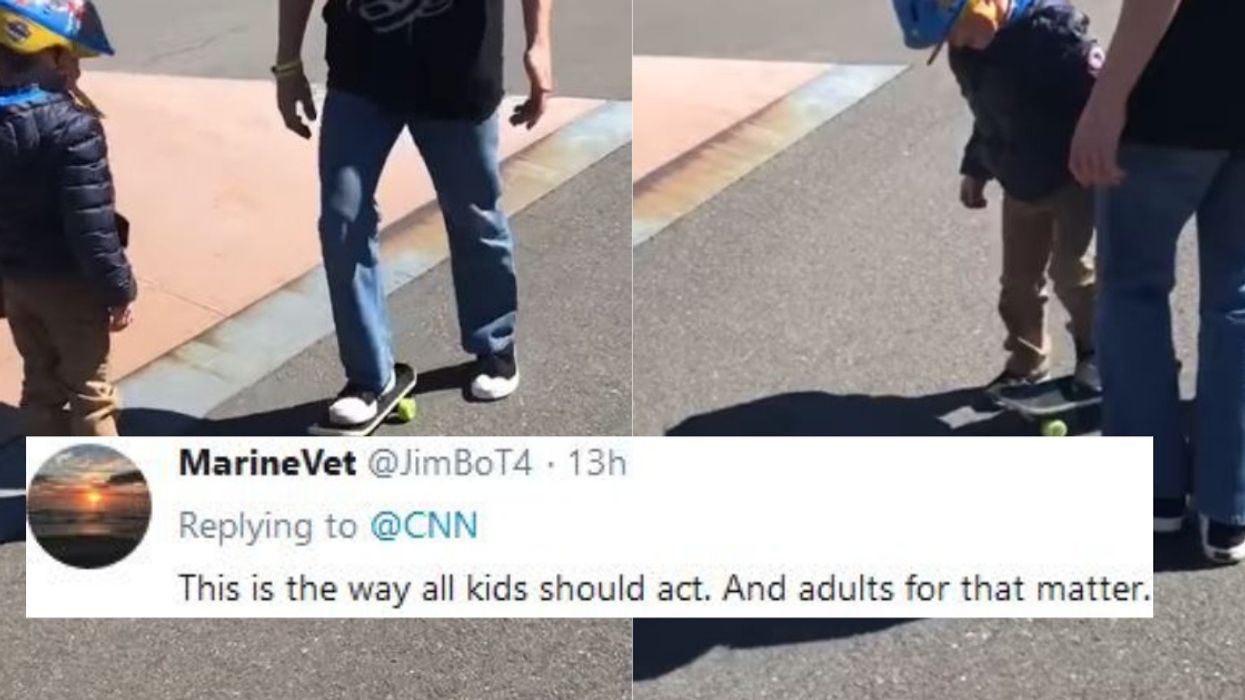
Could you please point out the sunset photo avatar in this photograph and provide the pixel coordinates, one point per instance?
(89, 506)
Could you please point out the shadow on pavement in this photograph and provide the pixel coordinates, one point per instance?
(12, 517)
(12, 482)
(13, 464)
(814, 414)
(10, 425)
(285, 421)
(662, 646)
(1182, 552)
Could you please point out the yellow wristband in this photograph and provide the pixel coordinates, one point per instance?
(288, 68)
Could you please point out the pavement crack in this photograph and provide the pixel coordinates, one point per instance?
(157, 58)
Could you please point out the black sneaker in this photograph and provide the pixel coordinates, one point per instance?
(1169, 515)
(497, 376)
(1086, 375)
(1223, 543)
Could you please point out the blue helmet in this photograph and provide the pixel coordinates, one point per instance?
(29, 26)
(927, 23)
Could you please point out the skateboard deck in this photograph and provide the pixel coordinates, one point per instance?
(398, 404)
(1047, 402)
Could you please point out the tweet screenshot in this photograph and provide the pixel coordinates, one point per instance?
(588, 528)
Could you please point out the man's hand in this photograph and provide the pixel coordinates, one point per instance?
(292, 86)
(119, 318)
(539, 63)
(973, 192)
(293, 91)
(1094, 159)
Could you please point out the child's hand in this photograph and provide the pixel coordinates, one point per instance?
(973, 192)
(120, 318)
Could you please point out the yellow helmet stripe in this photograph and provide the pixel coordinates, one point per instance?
(23, 35)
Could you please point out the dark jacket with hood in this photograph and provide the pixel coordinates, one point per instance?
(57, 213)
(1026, 91)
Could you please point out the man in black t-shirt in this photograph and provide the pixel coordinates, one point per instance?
(1164, 136)
(433, 68)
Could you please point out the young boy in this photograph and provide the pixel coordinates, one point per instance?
(66, 280)
(1026, 68)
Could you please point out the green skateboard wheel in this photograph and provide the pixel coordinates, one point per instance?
(1054, 428)
(406, 410)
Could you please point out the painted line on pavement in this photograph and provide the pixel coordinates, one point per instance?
(689, 181)
(187, 383)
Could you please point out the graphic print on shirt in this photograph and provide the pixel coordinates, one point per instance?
(1097, 58)
(388, 16)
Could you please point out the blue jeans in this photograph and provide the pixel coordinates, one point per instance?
(1139, 223)
(463, 161)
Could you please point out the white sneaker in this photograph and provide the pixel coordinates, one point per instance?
(355, 406)
(1222, 544)
(497, 376)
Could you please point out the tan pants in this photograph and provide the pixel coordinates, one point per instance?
(1055, 234)
(61, 331)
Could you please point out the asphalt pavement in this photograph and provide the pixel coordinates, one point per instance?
(302, 660)
(1191, 650)
(574, 256)
(838, 289)
(574, 335)
(236, 39)
(841, 289)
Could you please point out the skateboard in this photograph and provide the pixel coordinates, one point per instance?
(1049, 404)
(397, 405)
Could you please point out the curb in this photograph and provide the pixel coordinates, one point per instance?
(694, 178)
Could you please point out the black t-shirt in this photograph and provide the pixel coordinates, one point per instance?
(1192, 95)
(432, 58)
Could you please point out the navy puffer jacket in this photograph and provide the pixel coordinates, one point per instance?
(1027, 91)
(57, 211)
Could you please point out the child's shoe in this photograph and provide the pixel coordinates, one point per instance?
(1223, 543)
(1008, 379)
(497, 376)
(1169, 515)
(1086, 375)
(356, 406)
